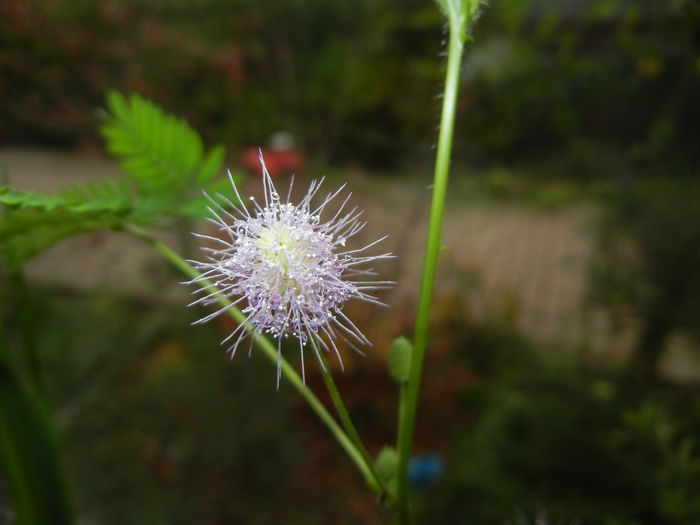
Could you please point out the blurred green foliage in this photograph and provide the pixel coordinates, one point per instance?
(154, 429)
(354, 81)
(648, 261)
(31, 223)
(553, 434)
(601, 81)
(165, 170)
(29, 457)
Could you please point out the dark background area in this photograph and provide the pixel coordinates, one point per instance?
(606, 81)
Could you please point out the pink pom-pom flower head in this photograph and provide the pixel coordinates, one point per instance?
(288, 268)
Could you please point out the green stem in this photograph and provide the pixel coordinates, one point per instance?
(271, 352)
(347, 422)
(408, 416)
(402, 408)
(31, 349)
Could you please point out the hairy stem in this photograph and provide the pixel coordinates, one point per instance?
(410, 400)
(270, 351)
(347, 422)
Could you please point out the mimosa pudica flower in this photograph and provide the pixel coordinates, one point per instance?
(288, 268)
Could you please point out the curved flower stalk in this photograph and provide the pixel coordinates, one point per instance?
(348, 439)
(289, 269)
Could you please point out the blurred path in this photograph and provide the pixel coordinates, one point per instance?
(500, 262)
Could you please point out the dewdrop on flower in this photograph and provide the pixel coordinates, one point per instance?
(288, 268)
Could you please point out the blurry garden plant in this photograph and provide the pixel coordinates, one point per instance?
(290, 266)
(164, 162)
(649, 263)
(543, 436)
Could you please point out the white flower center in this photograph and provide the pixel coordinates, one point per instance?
(285, 255)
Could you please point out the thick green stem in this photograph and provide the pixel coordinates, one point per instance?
(347, 422)
(270, 351)
(408, 416)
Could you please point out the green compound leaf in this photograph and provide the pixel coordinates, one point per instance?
(32, 222)
(29, 457)
(197, 207)
(102, 195)
(22, 200)
(400, 359)
(166, 169)
(162, 155)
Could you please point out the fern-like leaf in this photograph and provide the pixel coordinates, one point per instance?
(161, 154)
(32, 222)
(115, 192)
(197, 208)
(166, 168)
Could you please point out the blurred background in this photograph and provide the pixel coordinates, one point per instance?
(563, 369)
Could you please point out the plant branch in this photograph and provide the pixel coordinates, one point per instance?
(458, 13)
(347, 422)
(270, 351)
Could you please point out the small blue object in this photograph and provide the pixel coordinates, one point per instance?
(424, 470)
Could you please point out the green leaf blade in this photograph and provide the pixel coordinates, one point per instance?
(30, 458)
(212, 165)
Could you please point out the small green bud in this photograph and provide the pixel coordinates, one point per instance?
(387, 463)
(400, 359)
